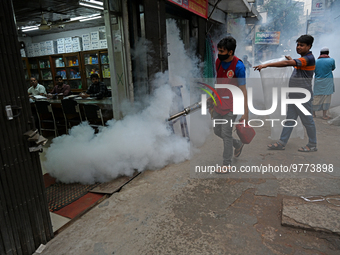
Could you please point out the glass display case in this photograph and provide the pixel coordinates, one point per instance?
(59, 64)
(33, 67)
(44, 63)
(91, 65)
(105, 69)
(73, 70)
(96, 61)
(46, 77)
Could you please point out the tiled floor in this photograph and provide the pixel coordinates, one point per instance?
(63, 216)
(57, 220)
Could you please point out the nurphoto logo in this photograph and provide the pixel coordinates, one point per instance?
(238, 102)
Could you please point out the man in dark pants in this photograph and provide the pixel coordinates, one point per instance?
(301, 78)
(230, 70)
(97, 89)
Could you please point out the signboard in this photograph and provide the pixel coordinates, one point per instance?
(267, 38)
(199, 7)
(318, 8)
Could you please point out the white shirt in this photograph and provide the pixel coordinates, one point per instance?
(37, 90)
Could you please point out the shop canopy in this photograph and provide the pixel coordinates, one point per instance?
(218, 8)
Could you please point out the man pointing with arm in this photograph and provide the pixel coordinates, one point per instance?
(301, 78)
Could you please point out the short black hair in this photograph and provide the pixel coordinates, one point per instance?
(58, 76)
(94, 75)
(324, 52)
(307, 39)
(227, 43)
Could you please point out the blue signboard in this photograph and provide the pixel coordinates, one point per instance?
(267, 38)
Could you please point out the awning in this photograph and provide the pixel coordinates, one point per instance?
(232, 6)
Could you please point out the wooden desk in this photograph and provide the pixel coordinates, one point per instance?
(104, 104)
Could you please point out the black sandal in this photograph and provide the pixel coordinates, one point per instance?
(276, 146)
(308, 149)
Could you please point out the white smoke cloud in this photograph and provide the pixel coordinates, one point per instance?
(142, 140)
(141, 55)
(185, 70)
(324, 29)
(139, 141)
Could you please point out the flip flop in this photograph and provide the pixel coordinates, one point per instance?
(276, 146)
(308, 149)
(237, 152)
(326, 118)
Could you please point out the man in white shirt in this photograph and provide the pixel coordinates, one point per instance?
(36, 89)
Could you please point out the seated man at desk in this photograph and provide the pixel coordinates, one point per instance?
(97, 89)
(60, 89)
(36, 89)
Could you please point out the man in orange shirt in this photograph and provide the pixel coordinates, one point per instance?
(302, 78)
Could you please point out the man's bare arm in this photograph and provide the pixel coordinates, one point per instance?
(283, 63)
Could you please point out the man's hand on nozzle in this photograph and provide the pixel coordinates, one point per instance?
(210, 102)
(210, 106)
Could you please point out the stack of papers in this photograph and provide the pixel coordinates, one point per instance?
(88, 98)
(71, 97)
(40, 97)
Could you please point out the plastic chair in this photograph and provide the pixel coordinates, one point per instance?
(45, 115)
(93, 115)
(71, 113)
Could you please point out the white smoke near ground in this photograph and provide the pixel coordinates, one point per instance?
(140, 141)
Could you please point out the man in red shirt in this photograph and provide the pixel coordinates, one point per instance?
(230, 70)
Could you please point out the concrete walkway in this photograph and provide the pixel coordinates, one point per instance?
(168, 211)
